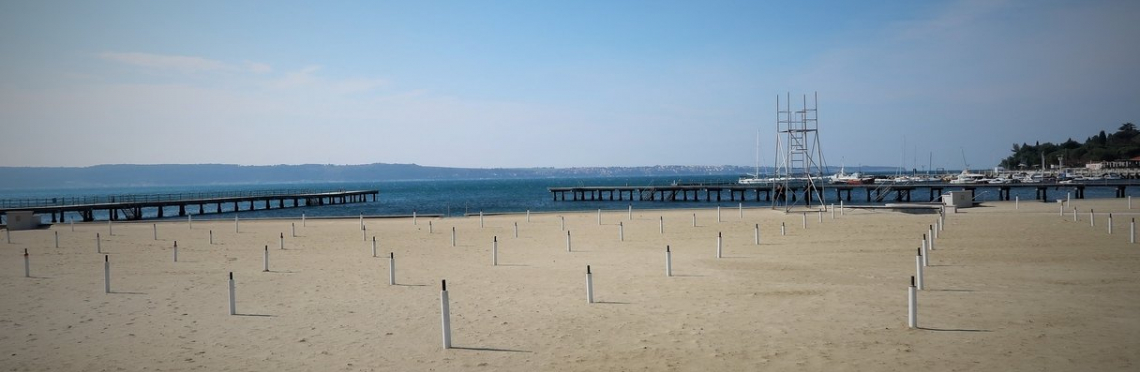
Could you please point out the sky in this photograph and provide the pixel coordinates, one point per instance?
(490, 84)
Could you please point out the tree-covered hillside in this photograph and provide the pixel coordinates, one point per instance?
(1122, 145)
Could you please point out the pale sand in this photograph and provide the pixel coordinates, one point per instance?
(1007, 290)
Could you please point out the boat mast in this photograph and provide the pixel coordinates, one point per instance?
(902, 160)
(964, 158)
(758, 153)
(914, 163)
(929, 163)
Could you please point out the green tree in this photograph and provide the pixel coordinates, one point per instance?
(1123, 144)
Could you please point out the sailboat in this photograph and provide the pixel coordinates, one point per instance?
(755, 178)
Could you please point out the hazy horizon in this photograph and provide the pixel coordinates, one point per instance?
(584, 84)
(751, 166)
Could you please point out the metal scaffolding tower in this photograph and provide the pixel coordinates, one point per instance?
(799, 158)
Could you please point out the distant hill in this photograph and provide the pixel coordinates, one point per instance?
(223, 174)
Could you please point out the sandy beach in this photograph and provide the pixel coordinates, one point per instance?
(1007, 289)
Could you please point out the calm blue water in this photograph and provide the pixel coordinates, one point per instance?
(458, 197)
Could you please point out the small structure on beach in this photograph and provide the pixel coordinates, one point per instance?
(22, 220)
(958, 199)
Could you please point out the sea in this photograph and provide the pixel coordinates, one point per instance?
(469, 197)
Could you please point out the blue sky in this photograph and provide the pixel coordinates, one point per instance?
(536, 84)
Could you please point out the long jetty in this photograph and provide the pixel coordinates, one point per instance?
(131, 207)
(766, 192)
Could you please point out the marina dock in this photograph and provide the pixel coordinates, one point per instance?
(131, 207)
(766, 192)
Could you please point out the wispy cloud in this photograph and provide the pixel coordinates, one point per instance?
(349, 86)
(299, 78)
(182, 64)
(309, 78)
(258, 68)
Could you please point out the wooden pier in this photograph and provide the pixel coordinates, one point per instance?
(131, 207)
(874, 192)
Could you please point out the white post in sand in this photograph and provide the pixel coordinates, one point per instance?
(414, 217)
(820, 214)
(373, 246)
(98, 244)
(661, 224)
(480, 219)
(1017, 202)
(106, 274)
(190, 221)
(233, 303)
(445, 315)
(930, 237)
(629, 216)
(1110, 223)
(1060, 208)
(783, 229)
(719, 239)
(528, 215)
(236, 229)
(431, 229)
(912, 305)
(918, 267)
(453, 236)
(804, 215)
(495, 251)
(621, 232)
(72, 223)
(694, 220)
(756, 234)
(281, 240)
(1132, 231)
(568, 241)
(668, 262)
(925, 253)
(1069, 198)
(589, 286)
(293, 229)
(718, 214)
(832, 211)
(57, 239)
(211, 237)
(1092, 218)
(942, 219)
(841, 208)
(391, 268)
(362, 221)
(27, 265)
(110, 227)
(563, 222)
(175, 251)
(1074, 215)
(154, 229)
(303, 223)
(265, 260)
(364, 233)
(599, 216)
(516, 229)
(740, 209)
